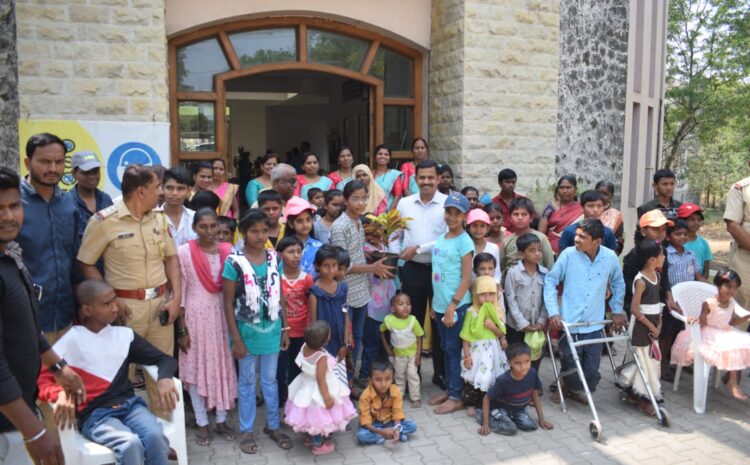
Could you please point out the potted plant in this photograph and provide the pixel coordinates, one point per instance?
(381, 230)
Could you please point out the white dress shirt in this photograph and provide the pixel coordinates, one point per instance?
(428, 222)
(184, 231)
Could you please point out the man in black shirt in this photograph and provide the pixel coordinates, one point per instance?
(23, 437)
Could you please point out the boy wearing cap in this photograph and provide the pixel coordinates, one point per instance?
(451, 279)
(88, 198)
(693, 215)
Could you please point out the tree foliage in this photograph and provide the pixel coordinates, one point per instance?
(707, 101)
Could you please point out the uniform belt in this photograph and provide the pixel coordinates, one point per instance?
(142, 294)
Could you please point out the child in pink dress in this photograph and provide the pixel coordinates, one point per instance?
(722, 346)
(318, 402)
(206, 365)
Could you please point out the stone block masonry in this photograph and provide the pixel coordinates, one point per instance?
(93, 60)
(592, 86)
(493, 90)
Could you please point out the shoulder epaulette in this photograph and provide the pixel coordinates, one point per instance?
(106, 213)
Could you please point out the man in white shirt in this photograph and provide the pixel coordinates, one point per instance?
(428, 222)
(179, 218)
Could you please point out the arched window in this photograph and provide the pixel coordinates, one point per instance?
(201, 62)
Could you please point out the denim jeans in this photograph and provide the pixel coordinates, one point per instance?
(131, 431)
(357, 316)
(451, 344)
(246, 384)
(287, 369)
(589, 356)
(373, 348)
(365, 436)
(508, 421)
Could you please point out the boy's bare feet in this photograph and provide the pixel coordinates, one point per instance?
(449, 406)
(471, 411)
(438, 399)
(416, 404)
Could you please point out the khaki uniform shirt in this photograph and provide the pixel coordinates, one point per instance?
(133, 249)
(738, 204)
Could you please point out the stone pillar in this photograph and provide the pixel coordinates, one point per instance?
(592, 85)
(493, 90)
(8, 86)
(103, 60)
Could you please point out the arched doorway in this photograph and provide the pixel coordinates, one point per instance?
(208, 67)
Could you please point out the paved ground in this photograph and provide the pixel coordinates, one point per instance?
(722, 436)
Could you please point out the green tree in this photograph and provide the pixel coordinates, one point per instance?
(708, 76)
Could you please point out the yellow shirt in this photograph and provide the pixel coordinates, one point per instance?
(373, 408)
(133, 249)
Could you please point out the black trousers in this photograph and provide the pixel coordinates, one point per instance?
(416, 282)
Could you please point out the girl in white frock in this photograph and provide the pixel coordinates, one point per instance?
(318, 403)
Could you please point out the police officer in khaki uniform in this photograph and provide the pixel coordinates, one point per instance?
(140, 260)
(737, 218)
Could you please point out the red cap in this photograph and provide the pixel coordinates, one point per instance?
(686, 209)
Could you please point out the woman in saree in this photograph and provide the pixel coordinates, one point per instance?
(267, 163)
(226, 191)
(344, 174)
(390, 180)
(555, 218)
(421, 152)
(311, 177)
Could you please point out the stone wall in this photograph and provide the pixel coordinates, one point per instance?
(508, 85)
(592, 86)
(446, 82)
(8, 86)
(93, 60)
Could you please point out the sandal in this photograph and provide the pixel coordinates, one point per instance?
(203, 437)
(281, 439)
(248, 444)
(225, 431)
(326, 448)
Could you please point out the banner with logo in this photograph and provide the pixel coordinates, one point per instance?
(116, 144)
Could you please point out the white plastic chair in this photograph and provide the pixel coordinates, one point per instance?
(690, 295)
(80, 451)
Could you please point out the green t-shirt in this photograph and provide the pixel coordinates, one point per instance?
(394, 324)
(263, 337)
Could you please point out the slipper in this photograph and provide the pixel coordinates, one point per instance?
(281, 439)
(248, 444)
(225, 431)
(203, 438)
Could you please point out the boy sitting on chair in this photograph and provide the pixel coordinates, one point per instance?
(111, 415)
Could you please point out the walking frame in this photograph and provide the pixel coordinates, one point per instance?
(595, 427)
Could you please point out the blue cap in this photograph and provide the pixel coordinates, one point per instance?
(458, 201)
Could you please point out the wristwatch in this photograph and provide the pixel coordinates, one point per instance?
(57, 367)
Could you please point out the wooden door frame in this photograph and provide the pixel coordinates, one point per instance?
(301, 24)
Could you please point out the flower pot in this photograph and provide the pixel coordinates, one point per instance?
(391, 259)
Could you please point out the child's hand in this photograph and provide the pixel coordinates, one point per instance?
(64, 411)
(468, 362)
(545, 424)
(328, 400)
(503, 343)
(389, 351)
(183, 342)
(418, 359)
(449, 315)
(692, 320)
(490, 325)
(239, 351)
(484, 430)
(284, 341)
(168, 394)
(654, 332)
(341, 354)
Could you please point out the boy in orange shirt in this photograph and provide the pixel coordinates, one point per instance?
(381, 409)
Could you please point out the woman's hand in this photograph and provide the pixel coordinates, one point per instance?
(183, 342)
